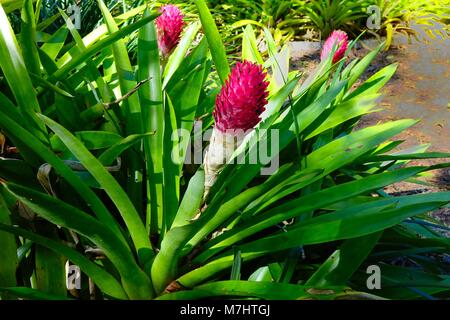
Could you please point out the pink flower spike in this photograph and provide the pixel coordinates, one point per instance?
(169, 24)
(338, 38)
(242, 98)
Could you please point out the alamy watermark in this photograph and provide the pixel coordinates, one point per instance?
(374, 279)
(73, 277)
(374, 20)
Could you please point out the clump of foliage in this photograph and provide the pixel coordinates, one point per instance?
(91, 172)
(315, 19)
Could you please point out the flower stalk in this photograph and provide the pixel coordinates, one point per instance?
(239, 105)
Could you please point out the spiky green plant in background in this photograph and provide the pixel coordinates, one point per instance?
(88, 173)
(286, 19)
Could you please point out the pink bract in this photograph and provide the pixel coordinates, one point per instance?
(338, 38)
(169, 24)
(242, 99)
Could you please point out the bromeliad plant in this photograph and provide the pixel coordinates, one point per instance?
(92, 173)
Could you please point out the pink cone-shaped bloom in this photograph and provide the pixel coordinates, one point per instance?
(242, 99)
(338, 38)
(169, 24)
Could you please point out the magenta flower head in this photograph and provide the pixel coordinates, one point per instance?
(169, 24)
(338, 38)
(242, 98)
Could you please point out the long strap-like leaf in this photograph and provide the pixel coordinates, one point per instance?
(151, 97)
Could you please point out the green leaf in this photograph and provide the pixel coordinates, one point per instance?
(303, 205)
(99, 32)
(214, 40)
(8, 253)
(47, 22)
(341, 265)
(28, 38)
(349, 147)
(344, 111)
(16, 74)
(297, 181)
(262, 290)
(92, 70)
(177, 57)
(165, 265)
(312, 112)
(44, 83)
(53, 46)
(374, 83)
(94, 140)
(111, 154)
(276, 102)
(32, 294)
(192, 199)
(49, 265)
(18, 171)
(362, 65)
(409, 156)
(185, 94)
(331, 227)
(242, 23)
(213, 218)
(125, 73)
(405, 283)
(236, 267)
(151, 98)
(250, 50)
(172, 169)
(373, 216)
(261, 274)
